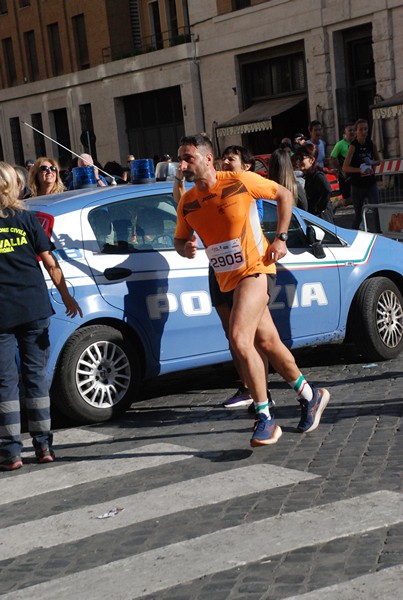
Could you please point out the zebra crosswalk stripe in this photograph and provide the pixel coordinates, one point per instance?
(161, 568)
(91, 468)
(77, 524)
(373, 586)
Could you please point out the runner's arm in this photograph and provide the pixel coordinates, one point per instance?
(185, 242)
(179, 185)
(186, 248)
(285, 203)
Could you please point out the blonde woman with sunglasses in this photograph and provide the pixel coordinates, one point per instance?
(44, 178)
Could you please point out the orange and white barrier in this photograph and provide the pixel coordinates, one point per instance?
(390, 167)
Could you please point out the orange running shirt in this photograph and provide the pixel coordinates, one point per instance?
(225, 217)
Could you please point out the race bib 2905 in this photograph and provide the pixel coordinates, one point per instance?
(226, 256)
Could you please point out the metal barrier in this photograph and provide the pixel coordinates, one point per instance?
(386, 219)
(387, 216)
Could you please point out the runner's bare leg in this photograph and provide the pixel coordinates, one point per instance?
(224, 312)
(269, 343)
(250, 303)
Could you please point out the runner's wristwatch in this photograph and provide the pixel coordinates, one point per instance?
(282, 236)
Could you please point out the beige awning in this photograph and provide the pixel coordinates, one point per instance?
(385, 109)
(258, 116)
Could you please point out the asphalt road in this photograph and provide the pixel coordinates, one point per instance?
(190, 512)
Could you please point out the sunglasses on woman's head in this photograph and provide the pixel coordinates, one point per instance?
(47, 168)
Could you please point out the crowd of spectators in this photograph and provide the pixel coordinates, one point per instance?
(300, 162)
(349, 165)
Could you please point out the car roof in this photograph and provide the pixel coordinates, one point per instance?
(73, 200)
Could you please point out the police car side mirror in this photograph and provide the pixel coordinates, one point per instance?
(314, 236)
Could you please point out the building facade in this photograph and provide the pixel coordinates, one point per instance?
(114, 77)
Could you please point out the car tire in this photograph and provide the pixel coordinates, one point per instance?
(377, 319)
(98, 375)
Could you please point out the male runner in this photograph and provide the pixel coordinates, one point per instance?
(235, 159)
(221, 208)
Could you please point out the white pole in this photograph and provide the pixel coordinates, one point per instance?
(113, 182)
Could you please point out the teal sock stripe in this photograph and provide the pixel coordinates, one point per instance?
(260, 407)
(299, 383)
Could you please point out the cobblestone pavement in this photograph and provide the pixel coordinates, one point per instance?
(331, 511)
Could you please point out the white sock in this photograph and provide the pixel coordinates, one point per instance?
(262, 408)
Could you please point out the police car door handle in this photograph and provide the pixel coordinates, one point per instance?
(117, 273)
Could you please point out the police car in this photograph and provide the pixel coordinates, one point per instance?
(147, 310)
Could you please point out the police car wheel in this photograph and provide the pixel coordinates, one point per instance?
(98, 375)
(377, 319)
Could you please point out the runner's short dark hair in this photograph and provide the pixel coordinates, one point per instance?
(197, 140)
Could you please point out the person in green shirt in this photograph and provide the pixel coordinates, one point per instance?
(337, 156)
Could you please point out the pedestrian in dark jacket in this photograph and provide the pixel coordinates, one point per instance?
(317, 188)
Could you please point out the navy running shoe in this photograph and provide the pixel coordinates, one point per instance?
(311, 412)
(265, 432)
(241, 398)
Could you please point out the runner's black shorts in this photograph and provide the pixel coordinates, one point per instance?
(218, 297)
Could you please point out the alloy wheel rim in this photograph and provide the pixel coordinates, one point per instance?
(389, 319)
(103, 374)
